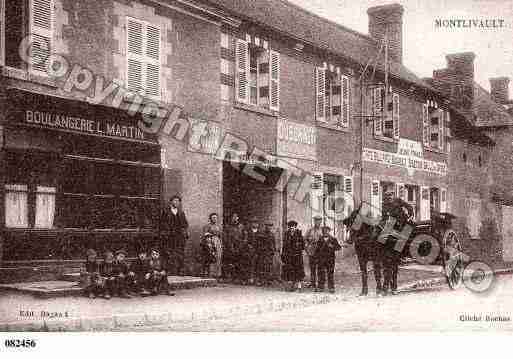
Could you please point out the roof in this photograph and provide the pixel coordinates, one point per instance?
(488, 112)
(301, 24)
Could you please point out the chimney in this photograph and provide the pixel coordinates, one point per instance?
(388, 17)
(499, 89)
(461, 65)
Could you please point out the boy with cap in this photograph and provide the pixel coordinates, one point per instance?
(158, 277)
(325, 258)
(142, 271)
(311, 238)
(247, 252)
(208, 253)
(91, 277)
(125, 278)
(107, 274)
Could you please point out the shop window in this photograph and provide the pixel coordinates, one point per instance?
(434, 199)
(143, 58)
(434, 129)
(386, 117)
(34, 18)
(257, 77)
(16, 206)
(333, 105)
(45, 207)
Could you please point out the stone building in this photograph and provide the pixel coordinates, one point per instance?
(254, 107)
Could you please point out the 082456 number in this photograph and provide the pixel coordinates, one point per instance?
(20, 343)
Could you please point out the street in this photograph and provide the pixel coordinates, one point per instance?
(429, 310)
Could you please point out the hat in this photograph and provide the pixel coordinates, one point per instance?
(208, 234)
(91, 252)
(155, 250)
(121, 251)
(177, 197)
(317, 218)
(291, 224)
(108, 254)
(326, 228)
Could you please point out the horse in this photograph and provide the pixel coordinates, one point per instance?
(367, 250)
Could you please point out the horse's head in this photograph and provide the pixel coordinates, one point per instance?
(364, 229)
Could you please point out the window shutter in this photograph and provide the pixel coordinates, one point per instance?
(447, 131)
(274, 73)
(401, 191)
(135, 37)
(316, 193)
(134, 75)
(320, 85)
(425, 125)
(41, 32)
(152, 80)
(345, 100)
(443, 200)
(441, 134)
(395, 115)
(242, 65)
(425, 207)
(348, 195)
(377, 110)
(375, 199)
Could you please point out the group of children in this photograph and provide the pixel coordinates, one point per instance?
(114, 276)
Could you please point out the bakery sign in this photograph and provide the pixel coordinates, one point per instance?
(296, 140)
(409, 156)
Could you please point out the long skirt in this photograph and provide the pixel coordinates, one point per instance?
(293, 269)
(219, 256)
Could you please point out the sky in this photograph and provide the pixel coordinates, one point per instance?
(424, 45)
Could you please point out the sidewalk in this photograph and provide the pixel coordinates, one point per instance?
(22, 312)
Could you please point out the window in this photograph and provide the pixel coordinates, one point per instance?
(434, 124)
(332, 97)
(30, 190)
(34, 18)
(386, 118)
(143, 58)
(257, 75)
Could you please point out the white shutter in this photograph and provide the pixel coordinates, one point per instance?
(134, 37)
(425, 209)
(134, 75)
(345, 92)
(396, 115)
(320, 85)
(401, 191)
(348, 195)
(443, 200)
(375, 199)
(316, 193)
(274, 81)
(377, 110)
(425, 125)
(242, 65)
(152, 79)
(41, 33)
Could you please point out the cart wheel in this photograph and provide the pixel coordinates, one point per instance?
(452, 259)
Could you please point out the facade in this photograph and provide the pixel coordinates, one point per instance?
(294, 128)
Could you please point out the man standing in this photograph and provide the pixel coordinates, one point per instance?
(173, 235)
(234, 233)
(265, 250)
(311, 238)
(253, 234)
(394, 208)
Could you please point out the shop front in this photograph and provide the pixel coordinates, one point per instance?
(76, 176)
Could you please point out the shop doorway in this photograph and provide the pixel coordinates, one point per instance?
(247, 196)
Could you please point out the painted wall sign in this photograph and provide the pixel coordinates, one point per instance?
(296, 140)
(410, 163)
(52, 113)
(410, 148)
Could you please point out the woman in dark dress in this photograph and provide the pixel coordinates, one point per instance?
(292, 256)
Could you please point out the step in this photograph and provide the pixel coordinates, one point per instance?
(63, 288)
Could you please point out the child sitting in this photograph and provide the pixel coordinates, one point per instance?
(107, 274)
(208, 254)
(141, 269)
(158, 277)
(91, 279)
(124, 277)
